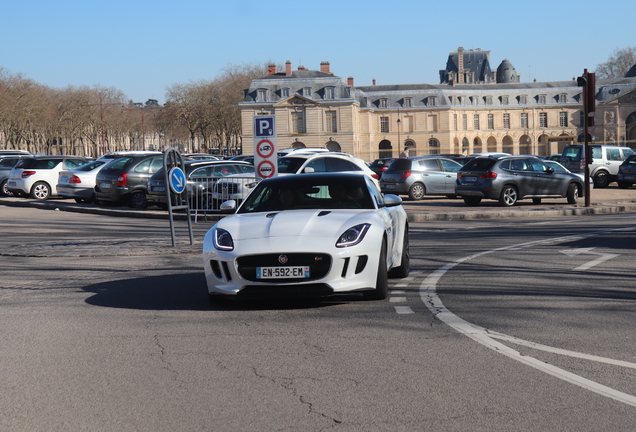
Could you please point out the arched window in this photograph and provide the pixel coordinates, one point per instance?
(386, 149)
(410, 144)
(433, 146)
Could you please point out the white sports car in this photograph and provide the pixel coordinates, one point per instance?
(308, 235)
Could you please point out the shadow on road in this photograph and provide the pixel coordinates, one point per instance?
(187, 291)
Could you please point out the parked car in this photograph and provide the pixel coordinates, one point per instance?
(7, 152)
(308, 235)
(512, 178)
(378, 166)
(299, 162)
(626, 176)
(7, 162)
(37, 176)
(199, 156)
(561, 169)
(79, 184)
(201, 177)
(124, 180)
(419, 176)
(603, 167)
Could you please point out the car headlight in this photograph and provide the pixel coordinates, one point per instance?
(353, 235)
(223, 240)
(251, 185)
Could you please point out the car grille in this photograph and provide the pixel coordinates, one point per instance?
(319, 265)
(227, 188)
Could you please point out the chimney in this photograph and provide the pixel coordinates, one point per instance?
(288, 68)
(302, 68)
(460, 64)
(373, 81)
(271, 69)
(350, 81)
(324, 67)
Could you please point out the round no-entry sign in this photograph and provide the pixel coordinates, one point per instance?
(265, 169)
(265, 148)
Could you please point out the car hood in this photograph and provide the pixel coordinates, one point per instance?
(294, 223)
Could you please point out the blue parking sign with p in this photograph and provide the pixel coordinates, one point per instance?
(264, 126)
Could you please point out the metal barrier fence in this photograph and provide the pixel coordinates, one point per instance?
(207, 193)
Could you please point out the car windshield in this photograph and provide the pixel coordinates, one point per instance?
(286, 193)
(290, 165)
(91, 165)
(400, 165)
(479, 164)
(572, 152)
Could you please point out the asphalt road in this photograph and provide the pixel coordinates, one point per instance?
(511, 324)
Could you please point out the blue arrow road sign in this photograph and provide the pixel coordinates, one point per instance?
(177, 180)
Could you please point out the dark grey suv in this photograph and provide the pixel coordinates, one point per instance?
(124, 180)
(512, 178)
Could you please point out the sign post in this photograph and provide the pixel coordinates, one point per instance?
(176, 188)
(265, 156)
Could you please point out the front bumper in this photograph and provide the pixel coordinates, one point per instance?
(348, 270)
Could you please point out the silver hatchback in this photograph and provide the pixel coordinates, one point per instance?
(420, 176)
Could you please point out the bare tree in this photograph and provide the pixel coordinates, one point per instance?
(619, 63)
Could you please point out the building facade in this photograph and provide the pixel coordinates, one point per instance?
(471, 110)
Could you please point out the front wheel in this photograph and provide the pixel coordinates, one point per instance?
(41, 190)
(381, 290)
(417, 191)
(573, 193)
(508, 196)
(4, 189)
(403, 270)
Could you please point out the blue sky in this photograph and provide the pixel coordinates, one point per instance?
(141, 47)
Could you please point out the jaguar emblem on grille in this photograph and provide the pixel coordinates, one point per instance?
(282, 259)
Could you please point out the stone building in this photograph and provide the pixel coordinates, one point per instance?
(473, 109)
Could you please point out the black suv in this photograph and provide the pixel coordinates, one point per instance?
(124, 180)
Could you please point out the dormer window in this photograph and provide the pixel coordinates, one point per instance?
(432, 101)
(307, 92)
(383, 103)
(284, 93)
(330, 92)
(261, 95)
(408, 102)
(563, 98)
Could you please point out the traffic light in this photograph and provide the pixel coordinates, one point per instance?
(588, 82)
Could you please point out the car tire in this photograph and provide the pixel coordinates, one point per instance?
(573, 193)
(601, 179)
(3, 189)
(405, 265)
(536, 201)
(508, 196)
(624, 185)
(138, 200)
(417, 191)
(41, 190)
(472, 201)
(381, 290)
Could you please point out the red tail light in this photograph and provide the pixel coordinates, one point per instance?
(375, 176)
(122, 180)
(26, 174)
(74, 179)
(405, 174)
(489, 175)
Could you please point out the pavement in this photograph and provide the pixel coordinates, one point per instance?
(607, 200)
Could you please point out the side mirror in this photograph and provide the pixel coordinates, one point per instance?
(228, 206)
(391, 200)
(309, 170)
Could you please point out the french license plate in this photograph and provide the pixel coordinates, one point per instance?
(389, 186)
(159, 189)
(282, 272)
(469, 179)
(11, 183)
(629, 177)
(104, 185)
(63, 179)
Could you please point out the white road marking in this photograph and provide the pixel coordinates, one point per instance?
(397, 292)
(578, 251)
(403, 310)
(397, 299)
(487, 338)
